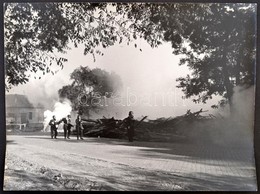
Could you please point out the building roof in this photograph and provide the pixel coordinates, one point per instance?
(17, 101)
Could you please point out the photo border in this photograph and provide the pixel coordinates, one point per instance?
(2, 85)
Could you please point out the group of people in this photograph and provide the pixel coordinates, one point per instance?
(67, 125)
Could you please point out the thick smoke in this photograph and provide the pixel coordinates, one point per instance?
(231, 129)
(149, 75)
(43, 91)
(61, 110)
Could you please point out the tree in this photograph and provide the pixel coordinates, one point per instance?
(35, 34)
(89, 87)
(216, 41)
(227, 41)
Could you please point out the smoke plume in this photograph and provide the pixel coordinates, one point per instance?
(229, 129)
(61, 110)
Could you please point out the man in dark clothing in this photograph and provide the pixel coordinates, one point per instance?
(130, 126)
(54, 126)
(79, 128)
(67, 126)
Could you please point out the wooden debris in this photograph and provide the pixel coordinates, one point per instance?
(145, 130)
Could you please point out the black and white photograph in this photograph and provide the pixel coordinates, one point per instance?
(130, 96)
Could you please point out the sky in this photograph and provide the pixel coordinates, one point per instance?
(148, 76)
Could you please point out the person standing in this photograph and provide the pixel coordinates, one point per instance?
(79, 127)
(130, 126)
(54, 127)
(67, 126)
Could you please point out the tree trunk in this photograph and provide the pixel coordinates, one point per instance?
(228, 85)
(231, 106)
(239, 63)
(229, 89)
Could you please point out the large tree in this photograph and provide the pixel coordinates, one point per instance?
(35, 34)
(221, 52)
(216, 41)
(89, 87)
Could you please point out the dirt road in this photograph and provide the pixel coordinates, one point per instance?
(41, 163)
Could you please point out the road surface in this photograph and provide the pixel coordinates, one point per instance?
(118, 165)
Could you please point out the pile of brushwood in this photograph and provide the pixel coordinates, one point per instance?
(162, 129)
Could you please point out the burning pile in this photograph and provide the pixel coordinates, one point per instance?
(162, 129)
(111, 128)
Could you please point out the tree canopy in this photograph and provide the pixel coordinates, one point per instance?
(89, 87)
(215, 40)
(35, 33)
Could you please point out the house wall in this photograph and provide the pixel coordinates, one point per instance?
(24, 115)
